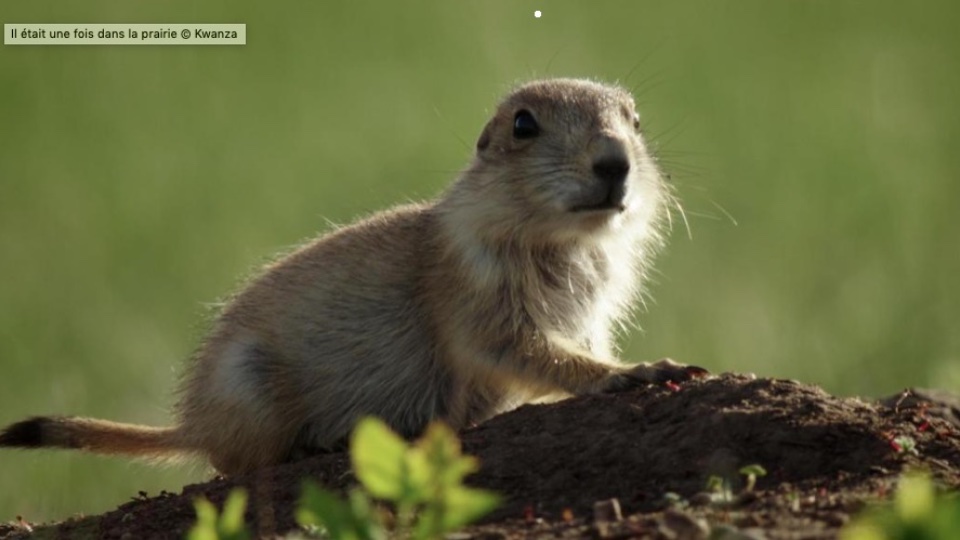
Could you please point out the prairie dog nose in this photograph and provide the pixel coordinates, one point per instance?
(612, 169)
(611, 163)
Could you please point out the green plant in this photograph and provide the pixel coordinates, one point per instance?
(227, 525)
(719, 489)
(353, 519)
(752, 472)
(918, 512)
(423, 480)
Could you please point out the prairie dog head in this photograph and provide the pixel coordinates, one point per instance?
(561, 160)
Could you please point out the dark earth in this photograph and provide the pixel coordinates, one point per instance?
(654, 450)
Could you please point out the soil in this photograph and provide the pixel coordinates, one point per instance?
(564, 468)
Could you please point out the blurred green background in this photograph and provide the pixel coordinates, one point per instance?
(814, 145)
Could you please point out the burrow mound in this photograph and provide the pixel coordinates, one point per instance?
(557, 460)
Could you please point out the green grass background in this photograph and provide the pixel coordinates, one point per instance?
(138, 184)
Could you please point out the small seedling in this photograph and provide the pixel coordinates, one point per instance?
(752, 472)
(675, 500)
(719, 489)
(906, 443)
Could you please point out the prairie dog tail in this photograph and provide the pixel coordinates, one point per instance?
(93, 435)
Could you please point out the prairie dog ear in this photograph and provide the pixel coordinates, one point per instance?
(484, 141)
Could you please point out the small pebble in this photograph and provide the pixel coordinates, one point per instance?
(607, 511)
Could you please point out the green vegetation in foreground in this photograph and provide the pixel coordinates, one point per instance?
(139, 184)
(228, 525)
(423, 480)
(918, 512)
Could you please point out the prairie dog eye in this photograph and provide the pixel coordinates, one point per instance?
(525, 125)
(636, 122)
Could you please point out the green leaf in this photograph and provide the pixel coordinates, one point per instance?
(459, 507)
(715, 483)
(206, 526)
(753, 470)
(321, 508)
(364, 518)
(231, 520)
(915, 498)
(354, 519)
(418, 476)
(379, 459)
(464, 505)
(862, 530)
(947, 515)
(206, 512)
(442, 449)
(200, 532)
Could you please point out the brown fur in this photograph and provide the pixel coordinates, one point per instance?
(502, 291)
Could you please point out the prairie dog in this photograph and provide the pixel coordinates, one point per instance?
(503, 290)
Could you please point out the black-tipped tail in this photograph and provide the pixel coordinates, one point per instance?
(93, 435)
(27, 433)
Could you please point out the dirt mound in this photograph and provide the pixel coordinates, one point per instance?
(554, 463)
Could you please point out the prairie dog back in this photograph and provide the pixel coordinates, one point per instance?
(505, 289)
